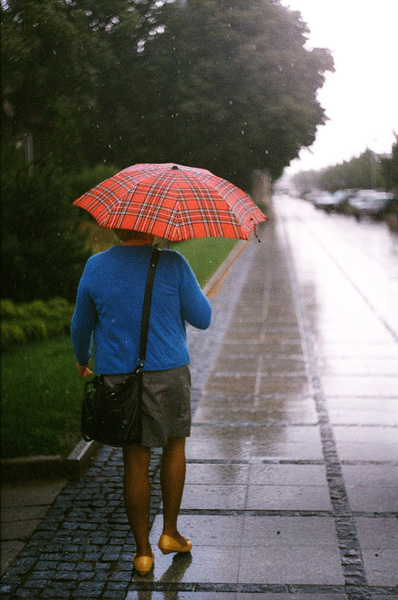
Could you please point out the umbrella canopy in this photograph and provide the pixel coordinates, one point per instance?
(172, 201)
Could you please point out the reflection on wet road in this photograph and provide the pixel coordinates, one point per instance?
(345, 260)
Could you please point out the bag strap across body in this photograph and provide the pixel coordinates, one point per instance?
(146, 310)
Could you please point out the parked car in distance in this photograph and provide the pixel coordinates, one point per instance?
(341, 198)
(336, 201)
(370, 203)
(330, 202)
(319, 198)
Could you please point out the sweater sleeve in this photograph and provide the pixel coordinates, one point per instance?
(83, 322)
(195, 307)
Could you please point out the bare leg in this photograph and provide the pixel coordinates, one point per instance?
(172, 478)
(137, 495)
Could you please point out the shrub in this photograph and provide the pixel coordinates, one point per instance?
(32, 321)
(12, 333)
(35, 329)
(8, 310)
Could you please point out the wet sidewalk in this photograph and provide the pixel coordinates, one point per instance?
(291, 485)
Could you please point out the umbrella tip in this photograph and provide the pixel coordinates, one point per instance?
(174, 168)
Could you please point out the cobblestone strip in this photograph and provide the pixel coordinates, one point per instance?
(357, 587)
(83, 541)
(293, 591)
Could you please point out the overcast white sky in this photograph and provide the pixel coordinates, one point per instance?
(361, 97)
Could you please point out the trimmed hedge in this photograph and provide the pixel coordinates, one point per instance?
(33, 321)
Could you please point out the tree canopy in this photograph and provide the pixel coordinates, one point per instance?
(224, 84)
(232, 87)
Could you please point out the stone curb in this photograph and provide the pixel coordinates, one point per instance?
(49, 467)
(71, 467)
(223, 268)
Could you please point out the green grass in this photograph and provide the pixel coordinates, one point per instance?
(41, 391)
(41, 399)
(205, 255)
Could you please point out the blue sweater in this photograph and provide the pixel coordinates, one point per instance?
(109, 308)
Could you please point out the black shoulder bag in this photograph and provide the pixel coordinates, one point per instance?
(112, 415)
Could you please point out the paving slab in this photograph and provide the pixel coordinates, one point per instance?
(288, 497)
(372, 488)
(274, 411)
(367, 443)
(283, 531)
(231, 497)
(362, 411)
(322, 567)
(381, 566)
(22, 510)
(352, 386)
(288, 475)
(205, 474)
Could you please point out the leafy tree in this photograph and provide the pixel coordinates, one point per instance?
(67, 65)
(116, 28)
(229, 85)
(362, 172)
(390, 169)
(225, 84)
(48, 81)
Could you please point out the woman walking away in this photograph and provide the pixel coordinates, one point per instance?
(108, 310)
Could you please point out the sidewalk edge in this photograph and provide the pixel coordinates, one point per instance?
(49, 467)
(223, 268)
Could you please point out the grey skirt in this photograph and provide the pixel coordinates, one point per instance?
(166, 404)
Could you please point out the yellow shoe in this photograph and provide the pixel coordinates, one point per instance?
(143, 564)
(168, 544)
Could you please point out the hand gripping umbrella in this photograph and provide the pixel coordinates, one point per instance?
(173, 202)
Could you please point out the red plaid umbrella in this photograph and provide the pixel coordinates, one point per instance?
(172, 201)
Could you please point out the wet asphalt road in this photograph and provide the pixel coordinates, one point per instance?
(360, 259)
(291, 485)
